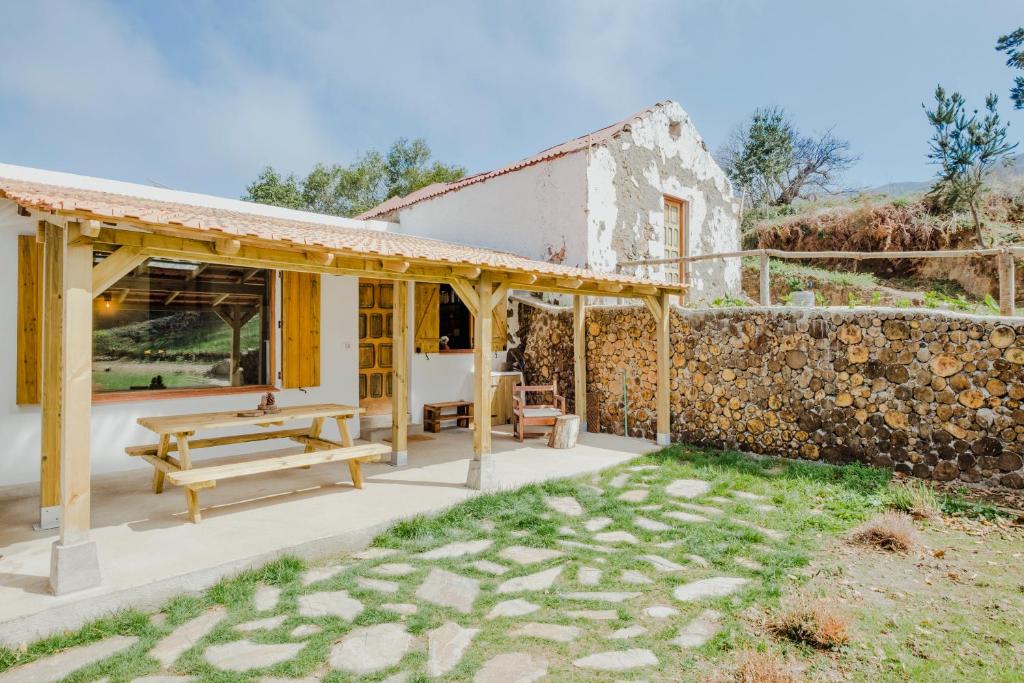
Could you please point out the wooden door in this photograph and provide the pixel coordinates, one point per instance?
(675, 238)
(375, 345)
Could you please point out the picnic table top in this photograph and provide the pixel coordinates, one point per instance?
(176, 424)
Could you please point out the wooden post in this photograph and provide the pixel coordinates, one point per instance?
(579, 352)
(236, 348)
(663, 333)
(481, 474)
(51, 376)
(74, 564)
(1007, 284)
(766, 287)
(400, 374)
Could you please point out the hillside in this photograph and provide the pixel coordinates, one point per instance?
(190, 335)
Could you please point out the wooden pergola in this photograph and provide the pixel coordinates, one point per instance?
(73, 225)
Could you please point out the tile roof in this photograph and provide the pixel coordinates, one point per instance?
(575, 145)
(203, 213)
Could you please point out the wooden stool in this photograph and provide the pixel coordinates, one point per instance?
(435, 413)
(565, 431)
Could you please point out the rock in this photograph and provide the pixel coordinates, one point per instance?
(376, 585)
(458, 549)
(660, 611)
(617, 660)
(171, 646)
(635, 577)
(628, 632)
(587, 546)
(687, 517)
(523, 555)
(702, 509)
(446, 645)
(488, 567)
(565, 505)
(700, 630)
(601, 596)
(311, 576)
(531, 582)
(512, 608)
(770, 533)
(243, 655)
(752, 565)
(554, 632)
(650, 524)
(395, 569)
(662, 564)
(619, 481)
(370, 649)
(442, 587)
(634, 496)
(512, 667)
(588, 576)
(593, 614)
(688, 488)
(261, 624)
(616, 537)
(304, 631)
(266, 597)
(374, 553)
(164, 679)
(716, 587)
(597, 523)
(335, 604)
(403, 608)
(697, 560)
(57, 666)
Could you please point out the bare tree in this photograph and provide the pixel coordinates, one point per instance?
(817, 164)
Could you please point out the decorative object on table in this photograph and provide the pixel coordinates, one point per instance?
(565, 431)
(268, 404)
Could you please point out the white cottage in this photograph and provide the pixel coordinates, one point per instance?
(643, 188)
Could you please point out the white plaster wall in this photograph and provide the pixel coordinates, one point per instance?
(114, 424)
(627, 180)
(534, 212)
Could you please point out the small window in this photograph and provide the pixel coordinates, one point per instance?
(675, 129)
(178, 325)
(455, 321)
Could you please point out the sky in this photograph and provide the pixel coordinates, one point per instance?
(200, 96)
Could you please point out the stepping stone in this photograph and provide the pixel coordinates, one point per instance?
(716, 587)
(159, 619)
(512, 667)
(770, 533)
(593, 489)
(668, 544)
(242, 655)
(519, 533)
(371, 648)
(261, 624)
(304, 631)
(531, 582)
(642, 468)
(593, 614)
(170, 647)
(597, 523)
(619, 481)
(445, 646)
(586, 546)
(566, 505)
(512, 608)
(555, 632)
(697, 560)
(403, 608)
(444, 588)
(601, 596)
(634, 496)
(374, 553)
(700, 630)
(488, 567)
(662, 564)
(275, 679)
(650, 508)
(628, 632)
(521, 554)
(164, 679)
(458, 549)
(616, 537)
(617, 660)
(635, 577)
(400, 677)
(588, 576)
(266, 597)
(566, 531)
(311, 576)
(396, 569)
(56, 667)
(720, 500)
(746, 563)
(651, 524)
(688, 517)
(748, 496)
(378, 585)
(660, 611)
(702, 509)
(333, 604)
(688, 488)
(486, 525)
(762, 507)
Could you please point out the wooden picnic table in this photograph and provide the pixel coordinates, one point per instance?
(176, 434)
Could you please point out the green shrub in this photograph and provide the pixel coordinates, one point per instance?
(913, 497)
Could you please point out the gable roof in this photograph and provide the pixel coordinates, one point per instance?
(575, 145)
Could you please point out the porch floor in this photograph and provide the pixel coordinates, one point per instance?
(149, 550)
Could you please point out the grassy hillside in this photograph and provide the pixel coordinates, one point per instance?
(186, 334)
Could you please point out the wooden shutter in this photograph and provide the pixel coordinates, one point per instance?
(499, 326)
(428, 317)
(30, 319)
(300, 330)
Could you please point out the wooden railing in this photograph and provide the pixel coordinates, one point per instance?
(1004, 260)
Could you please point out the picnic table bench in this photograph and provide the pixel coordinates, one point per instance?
(175, 434)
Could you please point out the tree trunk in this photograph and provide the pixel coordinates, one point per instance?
(565, 431)
(977, 225)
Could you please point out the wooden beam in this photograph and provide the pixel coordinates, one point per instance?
(467, 294)
(227, 246)
(171, 297)
(221, 298)
(394, 266)
(499, 295)
(400, 373)
(662, 323)
(466, 272)
(53, 367)
(481, 474)
(323, 258)
(610, 287)
(83, 229)
(1007, 284)
(579, 355)
(653, 305)
(122, 295)
(765, 279)
(199, 269)
(521, 278)
(569, 283)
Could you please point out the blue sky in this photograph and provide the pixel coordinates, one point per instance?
(201, 95)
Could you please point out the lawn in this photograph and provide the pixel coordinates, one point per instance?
(612, 567)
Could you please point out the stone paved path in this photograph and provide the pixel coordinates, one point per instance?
(55, 667)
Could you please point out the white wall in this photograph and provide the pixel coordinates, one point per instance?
(114, 424)
(534, 212)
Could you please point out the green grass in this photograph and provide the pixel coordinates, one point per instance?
(812, 503)
(178, 334)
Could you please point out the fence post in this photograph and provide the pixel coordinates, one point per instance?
(1007, 284)
(766, 291)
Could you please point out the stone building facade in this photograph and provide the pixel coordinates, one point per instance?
(931, 394)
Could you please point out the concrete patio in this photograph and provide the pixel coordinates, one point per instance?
(149, 550)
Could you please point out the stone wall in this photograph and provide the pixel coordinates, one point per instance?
(936, 395)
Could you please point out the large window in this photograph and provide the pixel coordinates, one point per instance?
(176, 325)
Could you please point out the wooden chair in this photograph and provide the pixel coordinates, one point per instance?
(537, 414)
